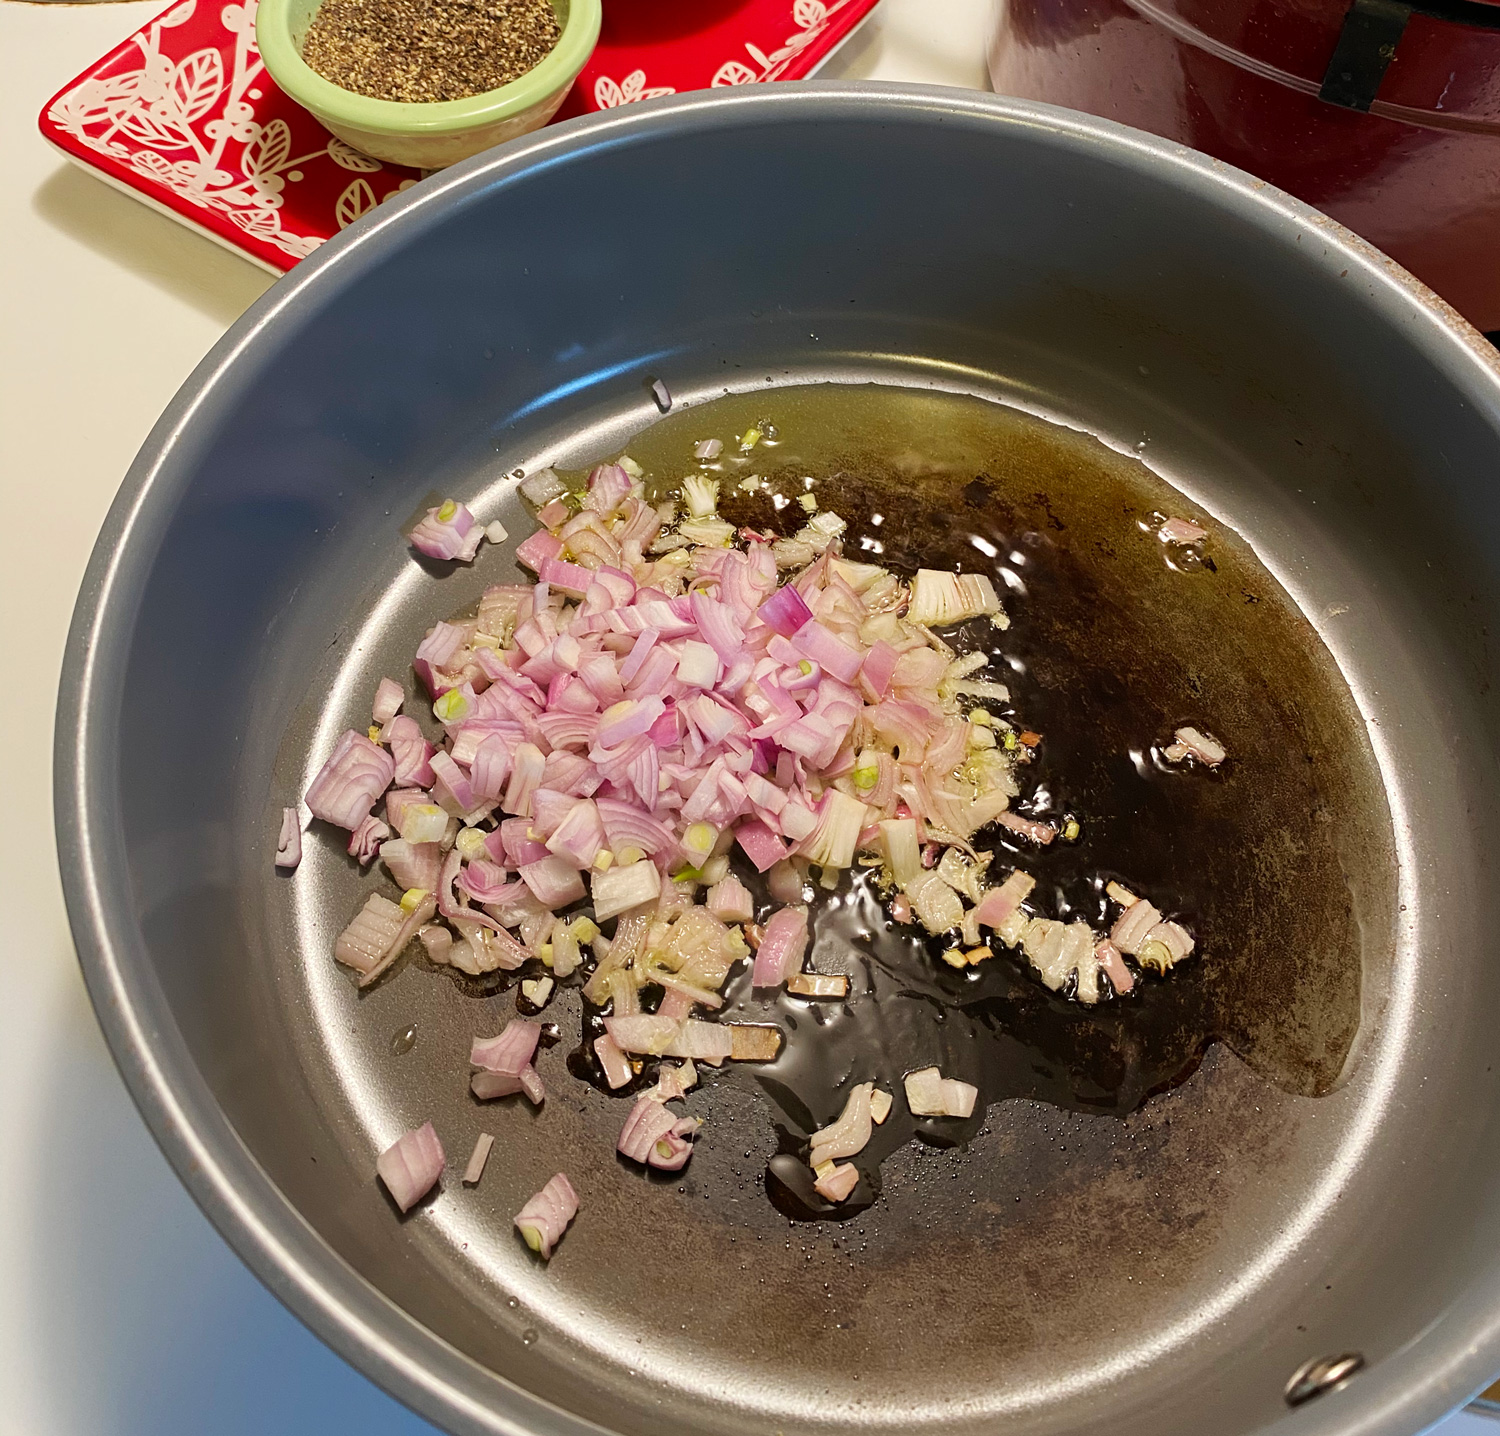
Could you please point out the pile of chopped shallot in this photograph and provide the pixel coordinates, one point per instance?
(670, 698)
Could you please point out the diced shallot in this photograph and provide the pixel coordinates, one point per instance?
(818, 984)
(544, 1219)
(1181, 531)
(378, 933)
(615, 1064)
(449, 532)
(1113, 966)
(1190, 743)
(1035, 832)
(730, 901)
(655, 1136)
(930, 1094)
(504, 1062)
(289, 841)
(388, 699)
(999, 903)
(481, 1154)
(785, 612)
(554, 881)
(1132, 925)
(782, 947)
(618, 889)
(752, 1042)
(366, 840)
(849, 1134)
(838, 1184)
(351, 780)
(411, 1165)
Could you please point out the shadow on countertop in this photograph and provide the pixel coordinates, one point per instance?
(184, 264)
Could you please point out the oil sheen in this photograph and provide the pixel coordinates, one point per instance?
(1277, 862)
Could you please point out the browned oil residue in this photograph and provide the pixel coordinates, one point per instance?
(1114, 642)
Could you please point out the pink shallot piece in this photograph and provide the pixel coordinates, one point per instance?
(782, 947)
(1182, 532)
(351, 780)
(1113, 965)
(448, 532)
(1042, 833)
(411, 1165)
(839, 1183)
(389, 697)
(544, 1219)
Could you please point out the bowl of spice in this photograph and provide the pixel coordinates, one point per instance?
(427, 83)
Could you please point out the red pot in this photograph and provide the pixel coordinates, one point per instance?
(1268, 85)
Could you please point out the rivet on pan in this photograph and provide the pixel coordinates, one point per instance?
(1321, 1374)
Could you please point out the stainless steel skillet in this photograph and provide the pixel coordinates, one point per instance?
(1174, 1270)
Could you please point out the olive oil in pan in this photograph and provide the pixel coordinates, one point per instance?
(1275, 862)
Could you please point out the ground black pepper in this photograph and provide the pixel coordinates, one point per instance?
(428, 50)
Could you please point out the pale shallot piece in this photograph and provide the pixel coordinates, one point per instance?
(673, 1083)
(1190, 743)
(730, 900)
(544, 1219)
(378, 933)
(411, 1165)
(289, 841)
(436, 942)
(930, 1094)
(480, 1155)
(657, 1036)
(365, 841)
(849, 1134)
(613, 1062)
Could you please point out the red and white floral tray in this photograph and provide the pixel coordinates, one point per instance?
(183, 115)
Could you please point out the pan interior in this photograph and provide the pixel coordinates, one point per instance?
(1081, 1227)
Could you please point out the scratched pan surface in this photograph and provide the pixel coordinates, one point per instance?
(1065, 1268)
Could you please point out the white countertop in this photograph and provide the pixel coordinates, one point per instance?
(122, 1313)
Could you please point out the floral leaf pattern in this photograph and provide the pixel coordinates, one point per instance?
(196, 83)
(346, 157)
(608, 95)
(267, 153)
(732, 72)
(811, 17)
(358, 199)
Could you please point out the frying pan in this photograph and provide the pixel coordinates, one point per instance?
(1063, 1271)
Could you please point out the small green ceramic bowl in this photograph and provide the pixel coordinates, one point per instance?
(426, 136)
